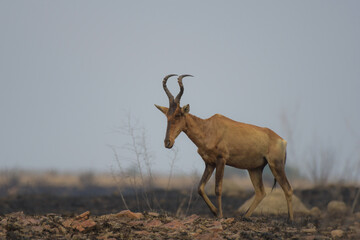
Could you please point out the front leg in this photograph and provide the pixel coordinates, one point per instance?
(220, 165)
(209, 169)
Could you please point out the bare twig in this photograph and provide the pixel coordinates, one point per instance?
(179, 209)
(195, 179)
(141, 178)
(138, 150)
(113, 174)
(321, 165)
(175, 152)
(355, 200)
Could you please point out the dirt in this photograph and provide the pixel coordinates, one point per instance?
(171, 215)
(151, 225)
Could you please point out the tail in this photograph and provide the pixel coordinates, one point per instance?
(274, 185)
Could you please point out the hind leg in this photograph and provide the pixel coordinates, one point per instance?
(256, 179)
(278, 171)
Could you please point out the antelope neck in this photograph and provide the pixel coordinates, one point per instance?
(195, 129)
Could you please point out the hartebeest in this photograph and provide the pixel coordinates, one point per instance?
(222, 141)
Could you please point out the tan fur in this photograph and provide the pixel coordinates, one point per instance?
(222, 141)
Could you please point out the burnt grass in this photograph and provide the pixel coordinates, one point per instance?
(43, 214)
(161, 201)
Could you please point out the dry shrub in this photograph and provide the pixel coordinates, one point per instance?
(275, 203)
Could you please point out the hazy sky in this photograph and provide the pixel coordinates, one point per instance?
(70, 71)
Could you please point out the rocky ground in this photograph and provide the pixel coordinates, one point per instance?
(152, 225)
(179, 215)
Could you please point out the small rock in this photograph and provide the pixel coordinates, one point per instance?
(106, 236)
(67, 223)
(83, 216)
(209, 236)
(142, 233)
(227, 220)
(3, 221)
(315, 212)
(336, 208)
(190, 219)
(217, 227)
(234, 236)
(30, 221)
(84, 225)
(51, 215)
(311, 237)
(80, 225)
(37, 228)
(88, 223)
(337, 233)
(291, 230)
(129, 214)
(308, 230)
(153, 214)
(62, 230)
(175, 224)
(135, 223)
(48, 228)
(153, 223)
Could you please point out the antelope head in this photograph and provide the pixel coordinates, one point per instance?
(174, 113)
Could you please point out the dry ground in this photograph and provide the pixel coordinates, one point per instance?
(151, 225)
(37, 208)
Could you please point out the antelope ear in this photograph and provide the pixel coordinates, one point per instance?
(164, 110)
(185, 109)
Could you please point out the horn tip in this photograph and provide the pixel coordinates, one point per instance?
(185, 75)
(170, 75)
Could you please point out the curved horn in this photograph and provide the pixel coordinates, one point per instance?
(178, 97)
(168, 93)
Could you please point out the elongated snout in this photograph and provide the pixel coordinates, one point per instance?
(168, 143)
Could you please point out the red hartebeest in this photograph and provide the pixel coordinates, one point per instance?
(222, 141)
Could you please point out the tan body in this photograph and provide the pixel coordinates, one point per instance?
(244, 146)
(222, 141)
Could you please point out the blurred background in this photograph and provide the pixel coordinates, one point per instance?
(79, 80)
